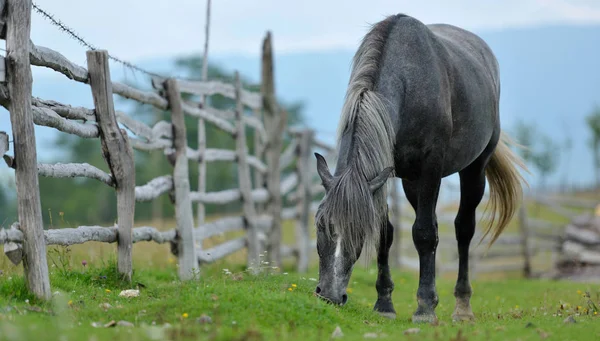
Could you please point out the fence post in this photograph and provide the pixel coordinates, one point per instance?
(304, 199)
(259, 150)
(117, 152)
(18, 28)
(186, 253)
(245, 183)
(202, 128)
(523, 230)
(397, 223)
(275, 121)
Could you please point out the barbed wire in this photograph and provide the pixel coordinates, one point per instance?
(63, 27)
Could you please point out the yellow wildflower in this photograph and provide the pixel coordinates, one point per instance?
(107, 290)
(578, 292)
(349, 290)
(293, 285)
(595, 313)
(70, 302)
(185, 315)
(517, 306)
(290, 289)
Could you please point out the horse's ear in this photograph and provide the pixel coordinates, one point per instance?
(323, 171)
(380, 179)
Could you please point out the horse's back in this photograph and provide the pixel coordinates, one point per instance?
(467, 48)
(445, 81)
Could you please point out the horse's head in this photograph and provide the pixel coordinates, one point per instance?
(345, 219)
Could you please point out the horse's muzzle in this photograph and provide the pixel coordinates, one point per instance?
(330, 297)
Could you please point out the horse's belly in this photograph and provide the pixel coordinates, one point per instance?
(464, 149)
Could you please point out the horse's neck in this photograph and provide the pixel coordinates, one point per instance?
(393, 98)
(347, 152)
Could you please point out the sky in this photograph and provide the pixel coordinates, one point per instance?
(138, 29)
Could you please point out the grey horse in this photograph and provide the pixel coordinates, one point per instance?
(422, 103)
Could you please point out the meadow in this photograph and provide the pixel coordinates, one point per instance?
(227, 303)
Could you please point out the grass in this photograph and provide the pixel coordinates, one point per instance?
(277, 307)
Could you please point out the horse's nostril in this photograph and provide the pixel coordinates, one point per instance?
(318, 290)
(344, 299)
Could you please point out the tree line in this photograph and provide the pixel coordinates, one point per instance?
(544, 153)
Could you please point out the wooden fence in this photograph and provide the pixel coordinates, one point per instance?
(26, 240)
(530, 245)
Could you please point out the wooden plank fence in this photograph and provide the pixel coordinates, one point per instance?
(26, 240)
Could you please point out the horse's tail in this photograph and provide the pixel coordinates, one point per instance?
(505, 186)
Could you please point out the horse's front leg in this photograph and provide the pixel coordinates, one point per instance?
(425, 238)
(384, 284)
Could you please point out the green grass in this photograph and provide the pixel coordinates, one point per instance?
(245, 307)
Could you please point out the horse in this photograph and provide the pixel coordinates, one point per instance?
(422, 103)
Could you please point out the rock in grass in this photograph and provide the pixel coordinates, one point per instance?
(124, 324)
(370, 335)
(412, 331)
(110, 324)
(129, 293)
(570, 320)
(105, 306)
(337, 333)
(204, 319)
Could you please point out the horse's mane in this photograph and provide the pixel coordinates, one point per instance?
(349, 206)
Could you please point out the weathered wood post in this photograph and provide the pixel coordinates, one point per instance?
(304, 199)
(275, 121)
(200, 211)
(245, 182)
(117, 152)
(259, 151)
(18, 70)
(186, 253)
(524, 232)
(396, 220)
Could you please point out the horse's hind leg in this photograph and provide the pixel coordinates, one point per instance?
(472, 187)
(384, 284)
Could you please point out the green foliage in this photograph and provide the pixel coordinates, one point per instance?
(546, 159)
(593, 122)
(8, 213)
(538, 150)
(72, 202)
(525, 135)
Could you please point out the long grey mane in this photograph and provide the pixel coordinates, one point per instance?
(349, 206)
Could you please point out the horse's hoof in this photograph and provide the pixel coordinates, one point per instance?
(462, 311)
(463, 317)
(424, 318)
(389, 315)
(385, 308)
